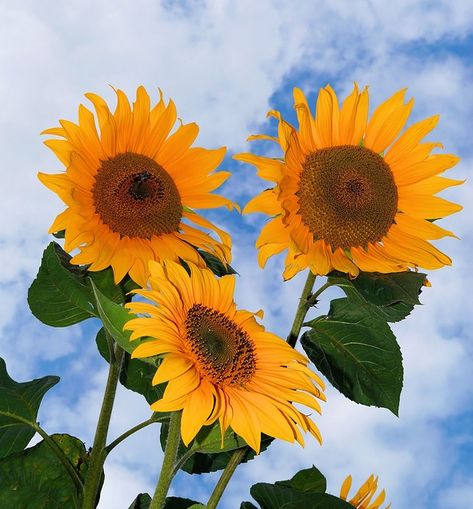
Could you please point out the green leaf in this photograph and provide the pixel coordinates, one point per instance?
(36, 479)
(200, 463)
(275, 496)
(310, 480)
(247, 505)
(358, 354)
(59, 296)
(19, 404)
(209, 440)
(181, 503)
(391, 297)
(104, 281)
(142, 501)
(114, 317)
(135, 374)
(215, 265)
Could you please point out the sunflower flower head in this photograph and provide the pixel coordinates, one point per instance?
(130, 187)
(218, 362)
(363, 498)
(353, 193)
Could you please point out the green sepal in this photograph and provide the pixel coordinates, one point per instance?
(19, 405)
(142, 501)
(358, 353)
(36, 479)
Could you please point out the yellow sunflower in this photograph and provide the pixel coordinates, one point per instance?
(350, 193)
(130, 187)
(219, 363)
(363, 497)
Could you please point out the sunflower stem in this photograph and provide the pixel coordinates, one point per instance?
(305, 302)
(99, 452)
(167, 468)
(154, 418)
(230, 468)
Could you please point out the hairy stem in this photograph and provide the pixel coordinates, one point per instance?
(167, 468)
(217, 493)
(99, 452)
(154, 418)
(305, 302)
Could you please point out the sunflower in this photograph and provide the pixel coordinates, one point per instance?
(362, 498)
(218, 362)
(130, 190)
(350, 193)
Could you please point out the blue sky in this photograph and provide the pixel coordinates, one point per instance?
(225, 64)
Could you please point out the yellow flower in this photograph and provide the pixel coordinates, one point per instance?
(362, 498)
(351, 194)
(130, 187)
(219, 363)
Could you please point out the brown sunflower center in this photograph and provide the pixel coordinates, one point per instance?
(347, 196)
(135, 197)
(224, 351)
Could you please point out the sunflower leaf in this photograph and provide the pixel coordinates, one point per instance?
(309, 480)
(181, 503)
(19, 405)
(142, 501)
(114, 317)
(36, 479)
(390, 297)
(277, 496)
(215, 265)
(358, 354)
(59, 296)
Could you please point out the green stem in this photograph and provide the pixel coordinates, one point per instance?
(167, 468)
(305, 302)
(136, 428)
(217, 493)
(312, 300)
(99, 453)
(60, 456)
(180, 462)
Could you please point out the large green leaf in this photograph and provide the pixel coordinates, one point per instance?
(36, 479)
(309, 480)
(275, 496)
(358, 354)
(60, 296)
(390, 297)
(19, 404)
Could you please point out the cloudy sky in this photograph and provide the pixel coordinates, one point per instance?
(225, 64)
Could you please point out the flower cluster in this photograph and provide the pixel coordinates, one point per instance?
(352, 198)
